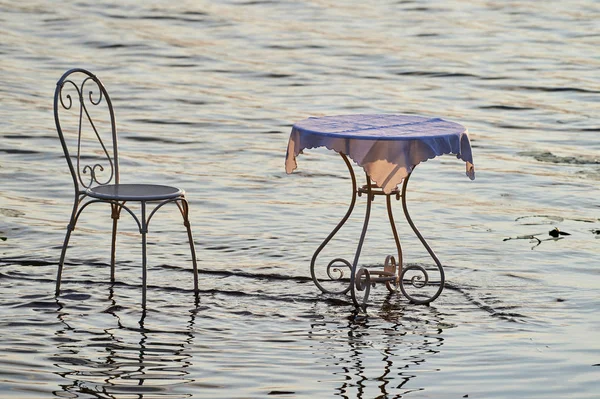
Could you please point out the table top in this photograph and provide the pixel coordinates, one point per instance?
(381, 127)
(386, 146)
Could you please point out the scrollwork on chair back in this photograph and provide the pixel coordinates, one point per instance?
(81, 99)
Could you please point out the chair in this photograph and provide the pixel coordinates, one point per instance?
(81, 98)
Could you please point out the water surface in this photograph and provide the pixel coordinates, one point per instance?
(205, 96)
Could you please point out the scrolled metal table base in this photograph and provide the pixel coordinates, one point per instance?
(394, 274)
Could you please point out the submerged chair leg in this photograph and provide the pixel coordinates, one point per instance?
(116, 211)
(144, 273)
(186, 222)
(144, 231)
(62, 259)
(63, 252)
(194, 262)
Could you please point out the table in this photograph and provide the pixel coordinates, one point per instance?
(388, 148)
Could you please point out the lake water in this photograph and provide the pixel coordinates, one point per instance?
(205, 94)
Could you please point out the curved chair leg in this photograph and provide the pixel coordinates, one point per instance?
(63, 252)
(185, 212)
(62, 259)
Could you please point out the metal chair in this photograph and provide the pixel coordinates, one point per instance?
(81, 98)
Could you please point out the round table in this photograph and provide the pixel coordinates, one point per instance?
(388, 147)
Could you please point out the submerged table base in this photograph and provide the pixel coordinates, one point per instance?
(393, 274)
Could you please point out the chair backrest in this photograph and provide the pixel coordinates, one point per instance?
(85, 123)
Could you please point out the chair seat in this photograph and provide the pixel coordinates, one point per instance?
(134, 192)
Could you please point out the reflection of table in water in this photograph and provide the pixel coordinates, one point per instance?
(378, 357)
(387, 147)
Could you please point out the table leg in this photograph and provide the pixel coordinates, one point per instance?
(418, 281)
(390, 264)
(361, 280)
(336, 273)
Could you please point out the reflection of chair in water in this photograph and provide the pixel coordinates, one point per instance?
(79, 96)
(124, 360)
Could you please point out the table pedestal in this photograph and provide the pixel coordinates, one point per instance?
(393, 274)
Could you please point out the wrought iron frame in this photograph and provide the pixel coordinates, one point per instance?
(82, 194)
(393, 272)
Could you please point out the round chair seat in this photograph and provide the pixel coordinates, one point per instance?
(134, 192)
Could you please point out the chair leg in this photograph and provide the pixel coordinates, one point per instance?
(62, 259)
(63, 253)
(194, 262)
(116, 211)
(144, 273)
(144, 231)
(186, 223)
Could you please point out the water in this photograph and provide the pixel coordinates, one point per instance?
(205, 95)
